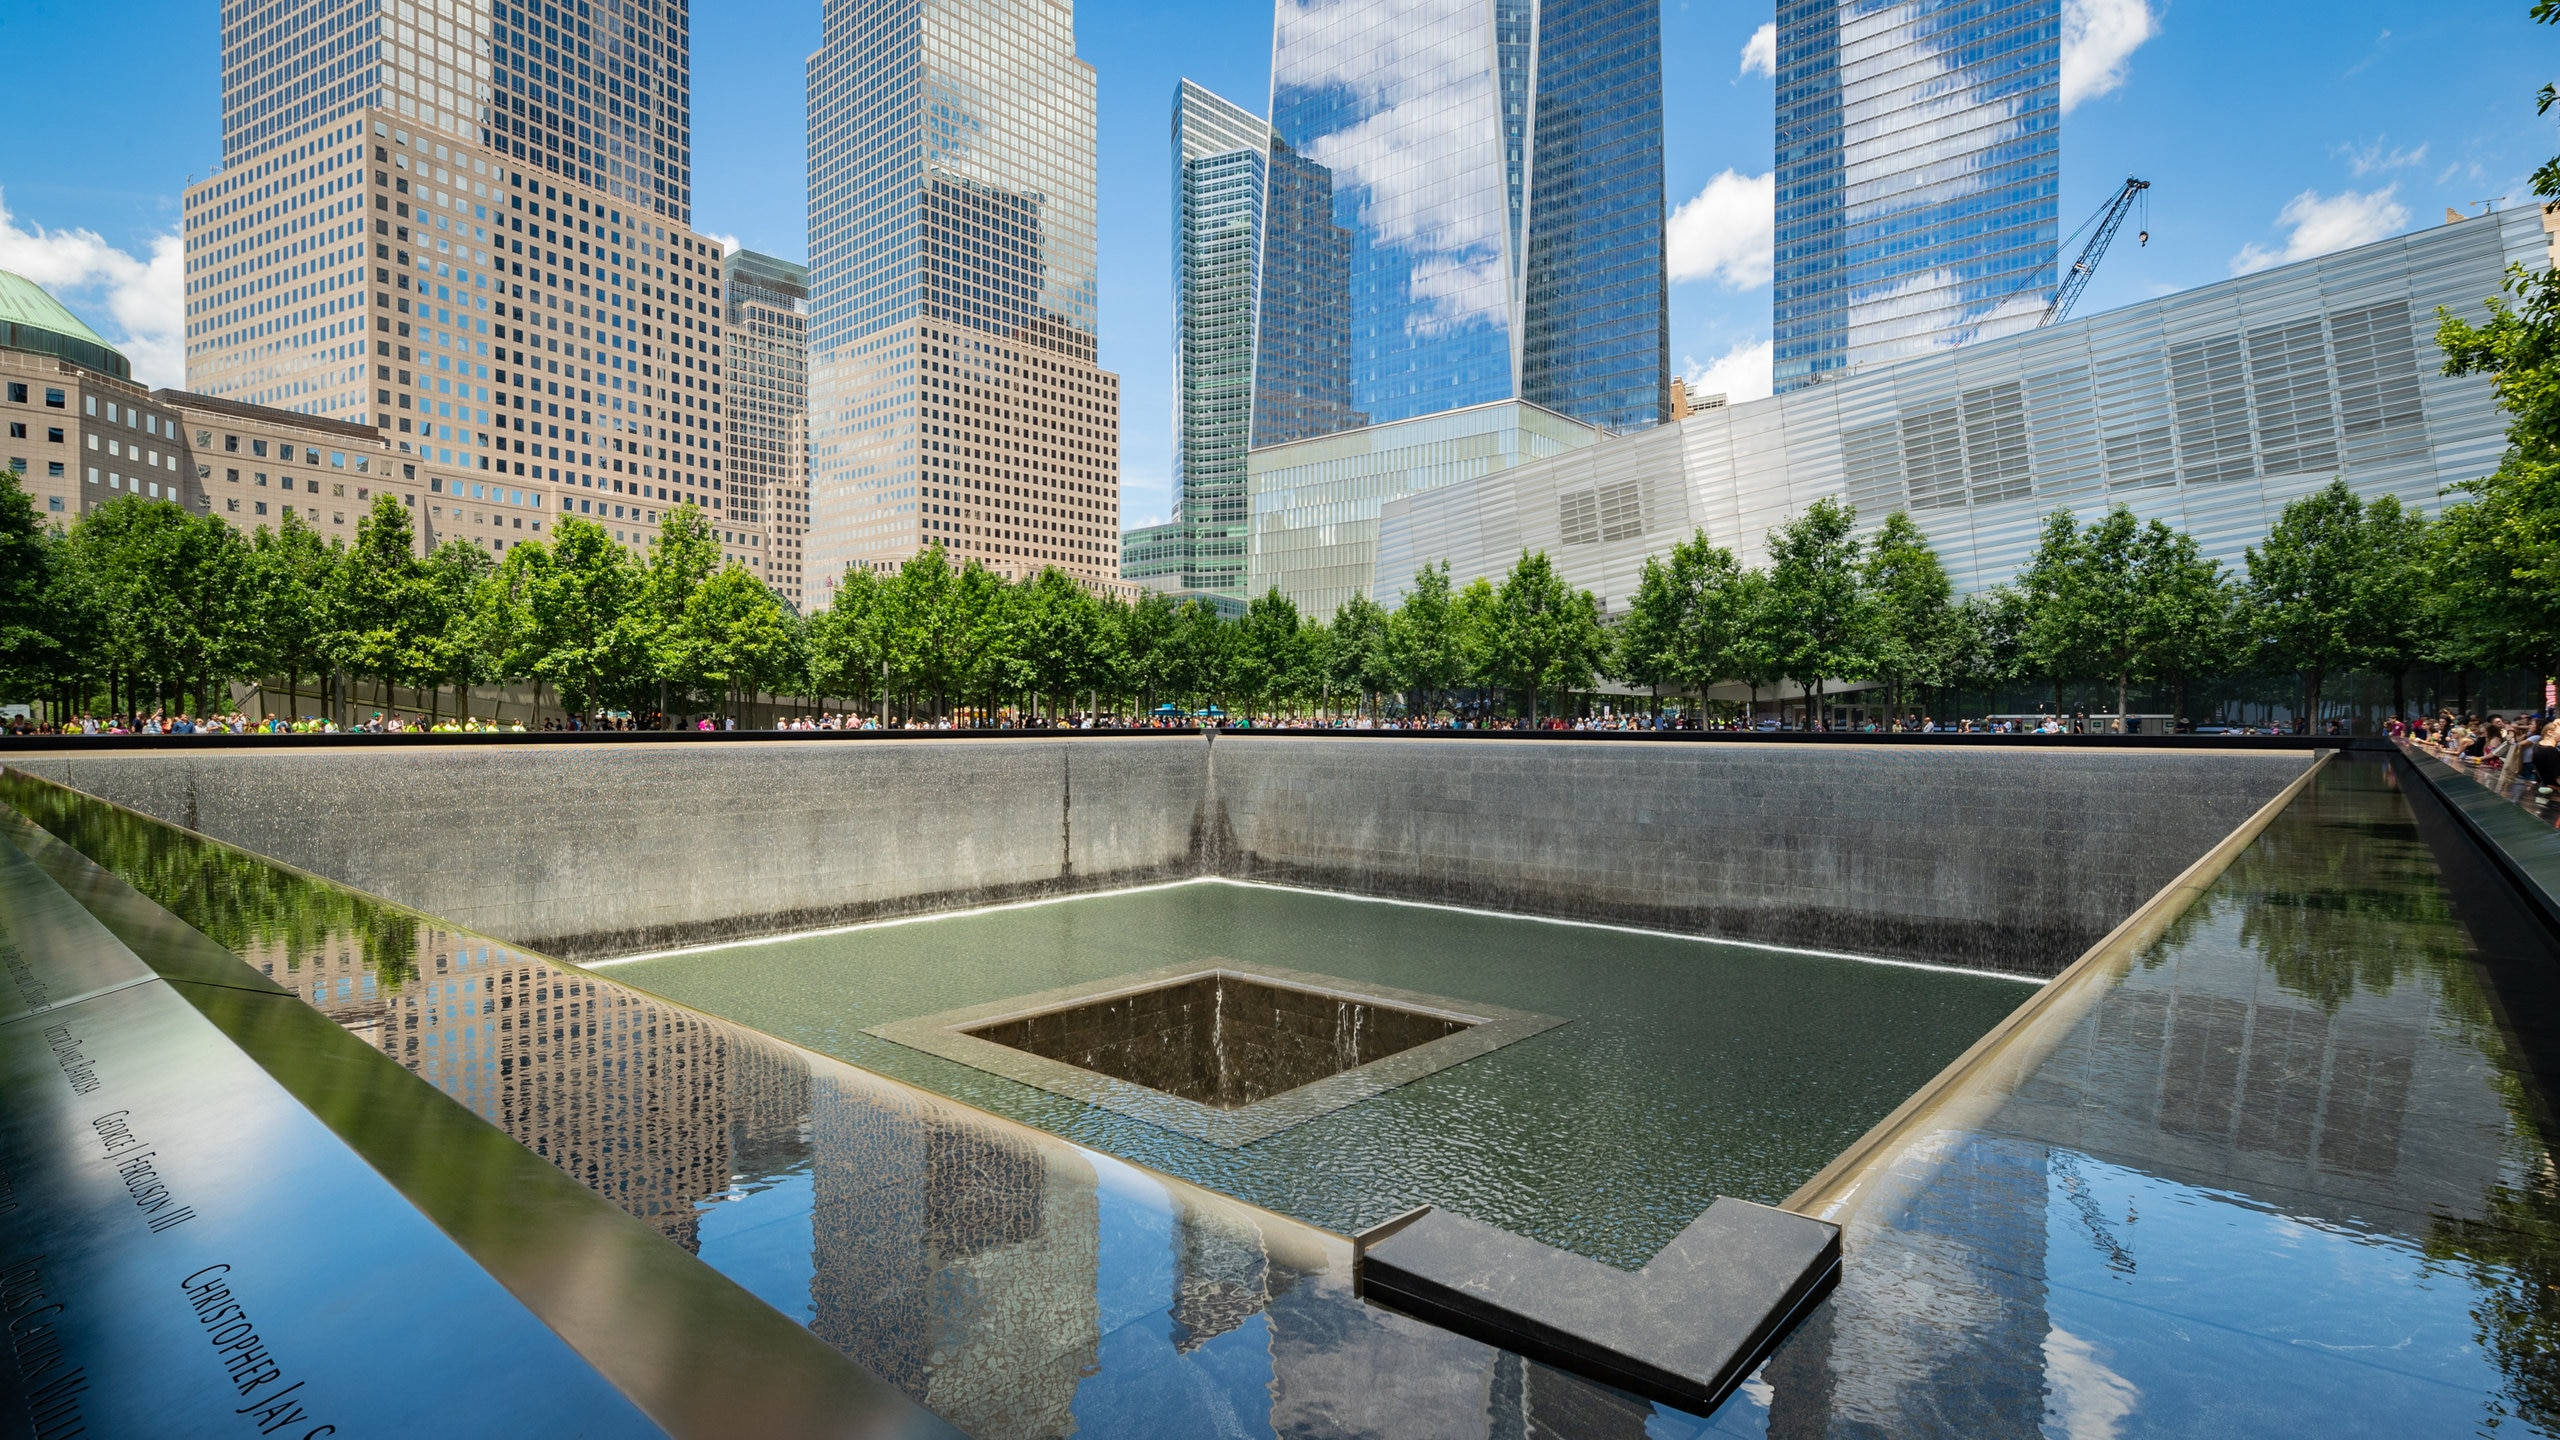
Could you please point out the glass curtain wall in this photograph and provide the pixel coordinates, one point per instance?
(1919, 177)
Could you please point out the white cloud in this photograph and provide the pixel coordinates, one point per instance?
(141, 300)
(2367, 159)
(1760, 55)
(2084, 1399)
(1726, 232)
(728, 244)
(2325, 223)
(1426, 110)
(2098, 39)
(1739, 374)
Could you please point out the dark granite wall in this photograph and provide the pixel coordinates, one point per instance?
(2006, 859)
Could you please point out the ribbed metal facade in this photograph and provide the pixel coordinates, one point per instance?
(2211, 410)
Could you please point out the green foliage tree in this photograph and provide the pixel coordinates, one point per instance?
(1268, 649)
(290, 578)
(2306, 582)
(1914, 614)
(1821, 615)
(733, 637)
(28, 659)
(1544, 634)
(1426, 647)
(2187, 621)
(586, 650)
(373, 598)
(848, 642)
(1358, 655)
(1061, 636)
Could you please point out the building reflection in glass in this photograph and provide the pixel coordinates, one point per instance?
(1494, 231)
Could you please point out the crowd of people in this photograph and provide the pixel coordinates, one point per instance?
(394, 722)
(2520, 753)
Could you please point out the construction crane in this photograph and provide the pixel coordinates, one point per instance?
(2108, 220)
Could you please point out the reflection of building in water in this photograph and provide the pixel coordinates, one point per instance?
(333, 978)
(1945, 1315)
(627, 1095)
(954, 1258)
(1222, 1277)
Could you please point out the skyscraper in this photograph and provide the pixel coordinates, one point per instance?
(1220, 154)
(1472, 196)
(1464, 214)
(1919, 177)
(466, 229)
(596, 93)
(768, 433)
(954, 395)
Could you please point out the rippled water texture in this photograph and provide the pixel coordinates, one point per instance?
(1688, 1070)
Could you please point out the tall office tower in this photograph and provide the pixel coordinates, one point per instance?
(1464, 219)
(768, 396)
(1472, 196)
(443, 226)
(1220, 153)
(1919, 177)
(597, 93)
(953, 394)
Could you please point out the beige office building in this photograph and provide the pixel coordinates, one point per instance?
(80, 433)
(768, 320)
(467, 233)
(954, 393)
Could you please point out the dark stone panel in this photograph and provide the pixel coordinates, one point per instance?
(1685, 1330)
(1992, 858)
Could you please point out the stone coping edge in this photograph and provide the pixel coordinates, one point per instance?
(2472, 803)
(1686, 1330)
(1977, 1079)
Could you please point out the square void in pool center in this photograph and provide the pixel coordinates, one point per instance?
(1219, 1051)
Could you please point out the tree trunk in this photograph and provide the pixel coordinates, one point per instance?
(2120, 688)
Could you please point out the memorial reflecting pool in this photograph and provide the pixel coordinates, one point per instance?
(1684, 1069)
(2288, 1174)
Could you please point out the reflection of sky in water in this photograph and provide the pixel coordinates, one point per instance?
(2211, 1210)
(2201, 1313)
(759, 1233)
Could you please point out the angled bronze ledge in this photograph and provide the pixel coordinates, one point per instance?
(1685, 1330)
(952, 1035)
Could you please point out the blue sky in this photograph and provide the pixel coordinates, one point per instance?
(2269, 132)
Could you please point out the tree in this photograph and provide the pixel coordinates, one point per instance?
(1268, 648)
(681, 558)
(848, 642)
(1060, 636)
(2050, 633)
(1823, 616)
(734, 636)
(290, 570)
(1357, 655)
(1545, 634)
(449, 644)
(2187, 618)
(2305, 581)
(1200, 661)
(2394, 602)
(1645, 650)
(27, 655)
(2105, 606)
(1424, 645)
(1146, 636)
(582, 645)
(1914, 613)
(373, 597)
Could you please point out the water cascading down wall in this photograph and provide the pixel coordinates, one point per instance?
(2008, 859)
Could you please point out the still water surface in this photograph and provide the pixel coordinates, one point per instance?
(1687, 1070)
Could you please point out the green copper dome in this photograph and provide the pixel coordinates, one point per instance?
(30, 319)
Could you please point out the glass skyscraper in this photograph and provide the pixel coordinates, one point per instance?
(597, 93)
(954, 399)
(1463, 220)
(1465, 207)
(1221, 153)
(1919, 179)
